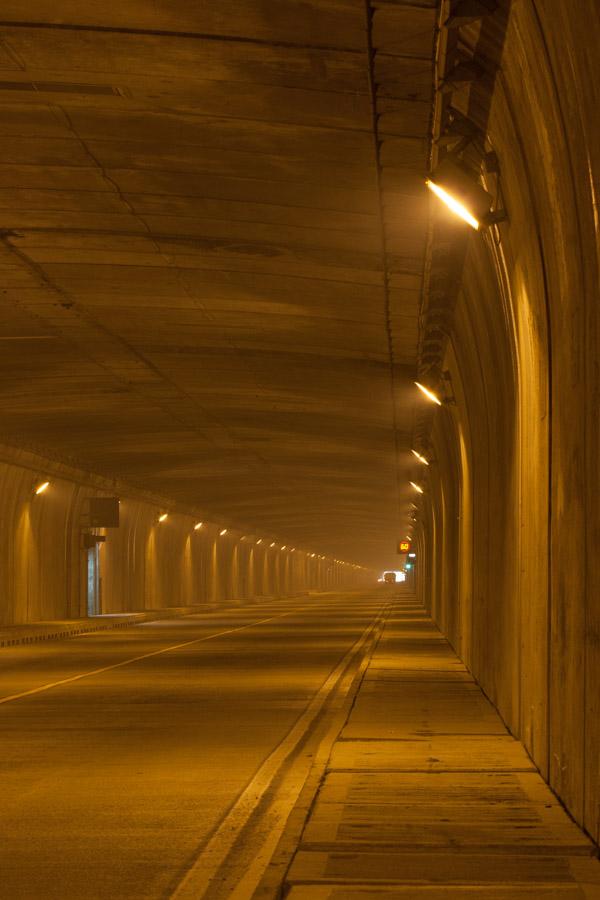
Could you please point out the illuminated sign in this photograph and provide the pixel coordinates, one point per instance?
(403, 546)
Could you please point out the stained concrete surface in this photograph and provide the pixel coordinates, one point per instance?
(427, 795)
(111, 782)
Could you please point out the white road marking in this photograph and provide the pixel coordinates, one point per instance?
(126, 662)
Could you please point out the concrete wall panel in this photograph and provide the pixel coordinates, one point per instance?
(144, 563)
(523, 361)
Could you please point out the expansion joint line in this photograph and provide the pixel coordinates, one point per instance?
(369, 15)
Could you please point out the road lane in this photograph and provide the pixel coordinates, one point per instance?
(111, 783)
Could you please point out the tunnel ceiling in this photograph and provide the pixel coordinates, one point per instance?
(212, 256)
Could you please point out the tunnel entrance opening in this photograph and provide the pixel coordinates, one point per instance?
(93, 581)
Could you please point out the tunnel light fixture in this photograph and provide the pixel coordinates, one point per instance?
(420, 458)
(163, 517)
(464, 196)
(312, 555)
(243, 537)
(42, 487)
(272, 544)
(222, 532)
(417, 487)
(453, 204)
(259, 541)
(198, 526)
(429, 394)
(284, 547)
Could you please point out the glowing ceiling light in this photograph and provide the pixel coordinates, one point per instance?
(163, 517)
(222, 532)
(259, 541)
(284, 546)
(429, 394)
(42, 487)
(198, 526)
(293, 550)
(417, 487)
(420, 458)
(272, 545)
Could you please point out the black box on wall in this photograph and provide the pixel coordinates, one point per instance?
(104, 512)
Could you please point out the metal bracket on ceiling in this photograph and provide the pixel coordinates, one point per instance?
(463, 12)
(466, 71)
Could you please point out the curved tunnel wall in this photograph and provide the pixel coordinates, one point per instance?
(143, 564)
(511, 523)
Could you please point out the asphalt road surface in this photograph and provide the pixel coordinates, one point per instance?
(122, 751)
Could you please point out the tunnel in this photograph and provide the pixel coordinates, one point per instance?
(299, 461)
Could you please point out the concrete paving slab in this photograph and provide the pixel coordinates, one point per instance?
(501, 753)
(505, 827)
(416, 708)
(422, 869)
(464, 892)
(478, 788)
(384, 673)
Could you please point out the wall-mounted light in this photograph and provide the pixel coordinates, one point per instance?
(243, 537)
(284, 547)
(420, 458)
(467, 199)
(42, 487)
(429, 394)
(272, 544)
(163, 517)
(198, 526)
(259, 541)
(293, 550)
(222, 532)
(417, 487)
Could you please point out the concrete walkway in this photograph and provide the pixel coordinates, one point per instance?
(427, 795)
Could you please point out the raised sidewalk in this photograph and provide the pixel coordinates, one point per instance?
(427, 795)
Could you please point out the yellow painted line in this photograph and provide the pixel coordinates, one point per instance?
(278, 813)
(197, 881)
(126, 662)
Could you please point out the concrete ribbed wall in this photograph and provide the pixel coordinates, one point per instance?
(511, 523)
(144, 564)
